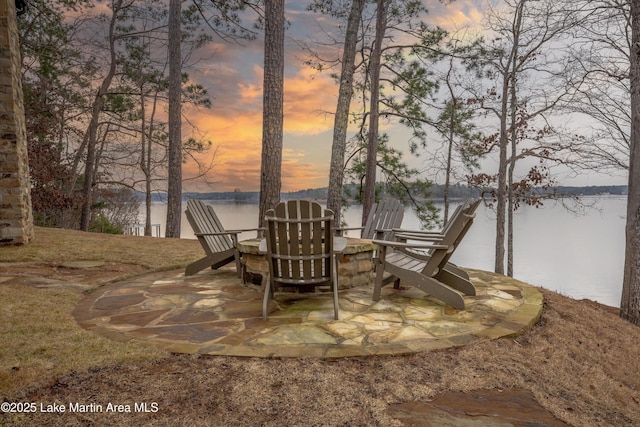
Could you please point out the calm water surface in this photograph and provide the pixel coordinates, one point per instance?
(581, 256)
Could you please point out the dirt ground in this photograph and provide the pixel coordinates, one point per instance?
(580, 363)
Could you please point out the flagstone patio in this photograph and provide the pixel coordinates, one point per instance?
(213, 312)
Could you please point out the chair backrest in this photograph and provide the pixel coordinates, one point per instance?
(385, 215)
(299, 243)
(454, 232)
(468, 208)
(203, 219)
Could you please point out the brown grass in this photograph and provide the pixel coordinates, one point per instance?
(39, 339)
(580, 362)
(58, 246)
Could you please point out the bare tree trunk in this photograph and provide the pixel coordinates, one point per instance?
(510, 208)
(372, 142)
(505, 172)
(447, 178)
(630, 303)
(455, 120)
(91, 136)
(272, 116)
(174, 180)
(514, 135)
(146, 150)
(144, 154)
(341, 120)
(501, 191)
(145, 157)
(148, 165)
(451, 136)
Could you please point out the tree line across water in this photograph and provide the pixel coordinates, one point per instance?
(437, 193)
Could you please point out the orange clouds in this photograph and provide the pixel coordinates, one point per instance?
(236, 137)
(309, 102)
(235, 127)
(250, 93)
(456, 15)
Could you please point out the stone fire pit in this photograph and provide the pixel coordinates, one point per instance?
(355, 264)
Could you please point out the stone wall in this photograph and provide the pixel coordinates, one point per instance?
(355, 270)
(16, 220)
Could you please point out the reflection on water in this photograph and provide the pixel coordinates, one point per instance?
(578, 256)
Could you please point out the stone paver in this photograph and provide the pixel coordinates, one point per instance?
(496, 408)
(213, 313)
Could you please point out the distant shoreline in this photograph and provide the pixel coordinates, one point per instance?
(457, 192)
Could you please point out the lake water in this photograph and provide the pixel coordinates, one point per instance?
(581, 256)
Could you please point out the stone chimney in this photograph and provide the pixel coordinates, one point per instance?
(16, 218)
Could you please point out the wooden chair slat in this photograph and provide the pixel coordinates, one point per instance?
(385, 215)
(218, 244)
(299, 252)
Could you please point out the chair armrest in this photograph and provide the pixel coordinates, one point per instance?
(428, 236)
(228, 232)
(242, 230)
(409, 245)
(217, 233)
(340, 230)
(348, 228)
(419, 237)
(419, 232)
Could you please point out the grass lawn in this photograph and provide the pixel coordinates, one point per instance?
(39, 339)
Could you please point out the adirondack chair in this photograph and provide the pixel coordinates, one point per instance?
(429, 272)
(219, 244)
(469, 207)
(385, 216)
(299, 246)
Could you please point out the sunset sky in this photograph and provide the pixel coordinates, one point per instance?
(234, 123)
